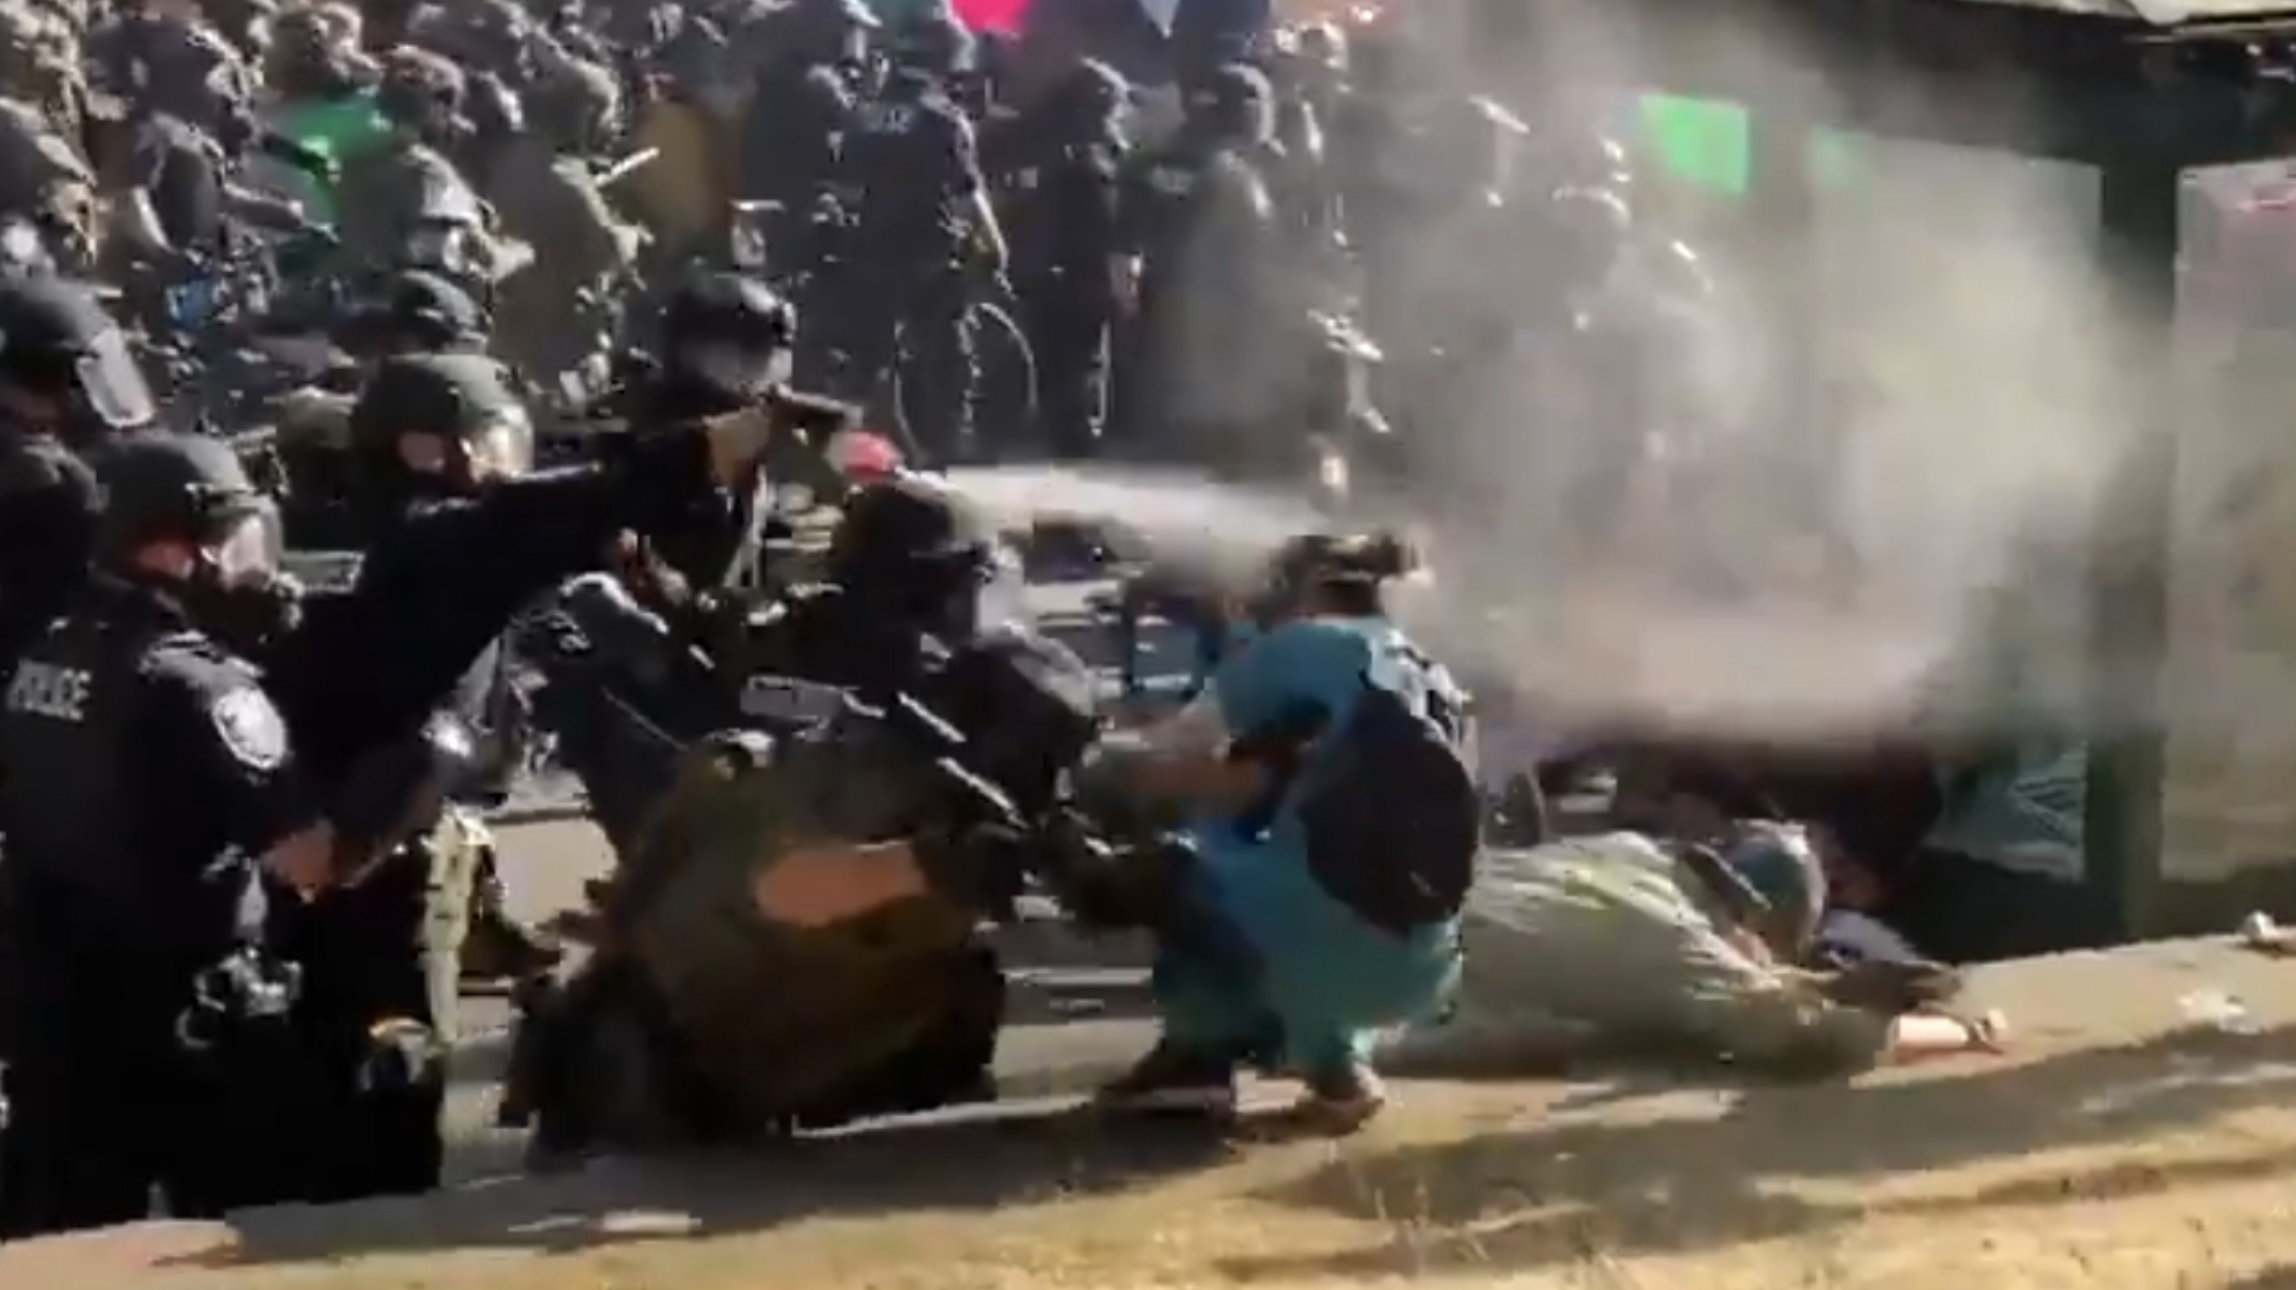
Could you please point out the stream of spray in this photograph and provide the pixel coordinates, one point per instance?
(1891, 519)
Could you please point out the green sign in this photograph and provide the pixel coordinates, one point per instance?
(1708, 145)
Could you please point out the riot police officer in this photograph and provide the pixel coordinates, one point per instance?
(907, 563)
(151, 784)
(66, 378)
(465, 536)
(446, 446)
(406, 205)
(921, 225)
(1201, 219)
(1061, 206)
(726, 341)
(163, 57)
(414, 311)
(538, 179)
(46, 182)
(798, 115)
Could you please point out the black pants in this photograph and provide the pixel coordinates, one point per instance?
(1067, 322)
(364, 961)
(103, 1115)
(917, 324)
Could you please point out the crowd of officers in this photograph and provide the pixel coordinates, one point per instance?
(212, 971)
(1163, 252)
(226, 800)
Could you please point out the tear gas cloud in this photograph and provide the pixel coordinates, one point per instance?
(1816, 542)
(1820, 546)
(1899, 522)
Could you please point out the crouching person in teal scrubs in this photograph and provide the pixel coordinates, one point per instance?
(1334, 825)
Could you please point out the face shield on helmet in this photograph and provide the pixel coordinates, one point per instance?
(248, 546)
(749, 369)
(502, 448)
(111, 385)
(441, 245)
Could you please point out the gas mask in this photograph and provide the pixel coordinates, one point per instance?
(502, 448)
(458, 465)
(236, 592)
(740, 371)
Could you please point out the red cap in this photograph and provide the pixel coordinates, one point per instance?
(862, 454)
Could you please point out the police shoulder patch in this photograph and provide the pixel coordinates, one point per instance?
(251, 728)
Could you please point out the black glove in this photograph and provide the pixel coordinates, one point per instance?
(1890, 989)
(373, 801)
(248, 988)
(981, 866)
(402, 1054)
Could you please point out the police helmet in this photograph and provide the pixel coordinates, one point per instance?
(159, 485)
(732, 308)
(1322, 45)
(1234, 98)
(905, 528)
(936, 43)
(727, 332)
(419, 89)
(1093, 91)
(415, 309)
(1596, 217)
(837, 15)
(464, 398)
(1780, 866)
(57, 341)
(494, 108)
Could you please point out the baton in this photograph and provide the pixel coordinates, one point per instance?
(626, 167)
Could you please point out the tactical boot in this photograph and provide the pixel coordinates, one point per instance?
(1174, 1081)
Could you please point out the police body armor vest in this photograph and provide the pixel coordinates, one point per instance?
(64, 740)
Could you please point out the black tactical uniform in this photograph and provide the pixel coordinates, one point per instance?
(455, 556)
(163, 64)
(375, 1018)
(797, 118)
(1061, 210)
(44, 180)
(1199, 214)
(726, 342)
(407, 206)
(179, 169)
(145, 767)
(461, 561)
(48, 502)
(911, 174)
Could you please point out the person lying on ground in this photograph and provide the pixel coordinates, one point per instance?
(1628, 945)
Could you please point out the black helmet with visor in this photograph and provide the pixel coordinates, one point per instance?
(57, 344)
